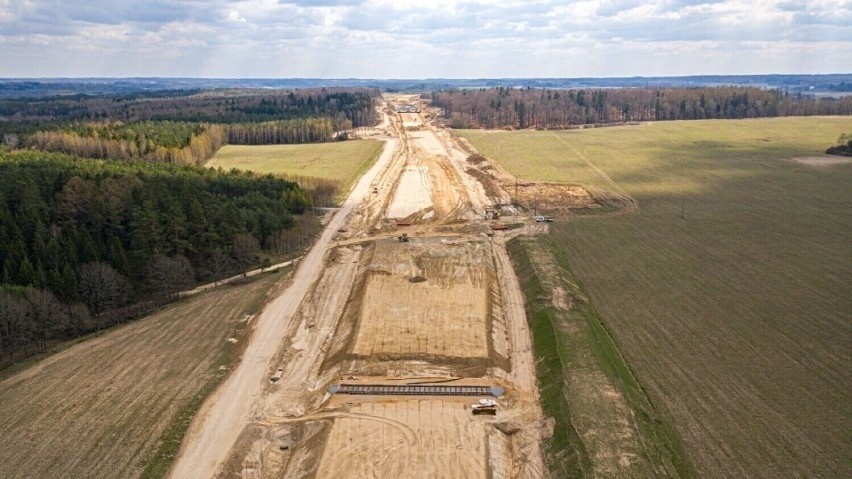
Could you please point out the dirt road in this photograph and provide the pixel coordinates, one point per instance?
(229, 409)
(367, 308)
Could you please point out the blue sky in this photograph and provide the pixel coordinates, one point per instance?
(420, 39)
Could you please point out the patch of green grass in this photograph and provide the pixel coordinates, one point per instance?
(729, 292)
(342, 161)
(566, 455)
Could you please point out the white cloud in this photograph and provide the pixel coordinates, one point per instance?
(412, 38)
(234, 16)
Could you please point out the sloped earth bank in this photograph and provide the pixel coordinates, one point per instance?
(605, 425)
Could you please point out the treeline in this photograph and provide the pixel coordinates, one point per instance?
(354, 105)
(185, 129)
(172, 142)
(555, 109)
(93, 242)
(306, 130)
(161, 142)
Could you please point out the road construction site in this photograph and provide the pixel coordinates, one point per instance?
(402, 321)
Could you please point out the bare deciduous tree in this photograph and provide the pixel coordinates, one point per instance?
(278, 242)
(11, 141)
(220, 263)
(245, 251)
(14, 324)
(48, 316)
(102, 287)
(169, 275)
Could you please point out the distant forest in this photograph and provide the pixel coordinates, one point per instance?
(216, 106)
(181, 127)
(89, 243)
(555, 109)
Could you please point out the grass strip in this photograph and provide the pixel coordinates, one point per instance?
(566, 453)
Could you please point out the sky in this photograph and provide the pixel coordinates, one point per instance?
(423, 38)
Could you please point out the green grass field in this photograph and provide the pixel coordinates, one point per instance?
(342, 161)
(735, 318)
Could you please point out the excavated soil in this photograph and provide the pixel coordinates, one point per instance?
(418, 438)
(550, 197)
(430, 310)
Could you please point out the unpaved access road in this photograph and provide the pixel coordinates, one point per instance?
(367, 308)
(228, 410)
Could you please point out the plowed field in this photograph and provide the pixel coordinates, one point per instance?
(102, 407)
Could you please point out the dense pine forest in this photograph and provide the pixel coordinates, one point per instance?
(555, 109)
(89, 243)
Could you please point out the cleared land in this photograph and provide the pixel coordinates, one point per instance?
(413, 194)
(404, 439)
(106, 406)
(735, 317)
(375, 310)
(425, 299)
(342, 161)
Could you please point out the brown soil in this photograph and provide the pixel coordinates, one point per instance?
(375, 309)
(544, 197)
(100, 408)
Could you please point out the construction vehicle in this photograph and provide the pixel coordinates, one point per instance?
(484, 406)
(403, 238)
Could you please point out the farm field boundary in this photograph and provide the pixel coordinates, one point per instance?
(605, 425)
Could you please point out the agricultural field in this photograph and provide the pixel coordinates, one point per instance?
(117, 405)
(728, 291)
(341, 161)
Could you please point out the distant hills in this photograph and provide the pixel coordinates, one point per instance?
(830, 84)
